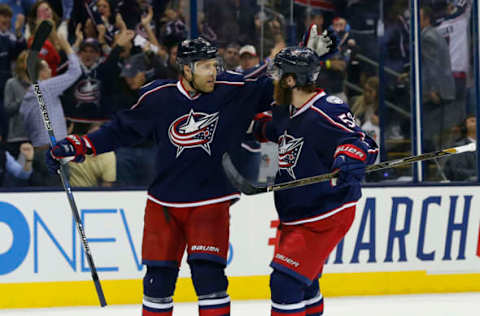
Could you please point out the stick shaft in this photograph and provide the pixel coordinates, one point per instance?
(68, 191)
(43, 31)
(380, 166)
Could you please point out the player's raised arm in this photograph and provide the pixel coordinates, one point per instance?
(128, 127)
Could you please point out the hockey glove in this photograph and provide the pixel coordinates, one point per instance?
(73, 148)
(324, 44)
(268, 125)
(350, 161)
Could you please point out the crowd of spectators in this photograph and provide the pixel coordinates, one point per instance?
(102, 52)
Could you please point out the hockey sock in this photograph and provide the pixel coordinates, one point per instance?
(313, 300)
(287, 295)
(158, 288)
(210, 285)
(215, 304)
(157, 306)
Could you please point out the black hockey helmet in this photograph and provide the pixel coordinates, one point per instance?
(192, 50)
(300, 61)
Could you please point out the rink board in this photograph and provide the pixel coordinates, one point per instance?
(403, 240)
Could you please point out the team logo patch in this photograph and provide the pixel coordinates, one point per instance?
(87, 91)
(335, 100)
(289, 149)
(195, 129)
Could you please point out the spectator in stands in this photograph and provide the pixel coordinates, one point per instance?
(172, 68)
(455, 28)
(10, 47)
(41, 11)
(363, 16)
(274, 30)
(105, 9)
(13, 172)
(248, 58)
(232, 20)
(52, 88)
(83, 100)
(365, 106)
(438, 86)
(142, 68)
(90, 99)
(365, 109)
(231, 56)
(133, 11)
(15, 90)
(95, 171)
(396, 38)
(103, 20)
(464, 167)
(116, 92)
(205, 30)
(20, 9)
(173, 32)
(147, 30)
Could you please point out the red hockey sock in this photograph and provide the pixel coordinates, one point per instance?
(150, 312)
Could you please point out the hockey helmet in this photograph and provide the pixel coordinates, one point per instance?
(192, 50)
(300, 61)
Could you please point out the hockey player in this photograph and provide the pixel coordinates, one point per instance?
(316, 134)
(193, 122)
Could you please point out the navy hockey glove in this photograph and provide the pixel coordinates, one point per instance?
(73, 148)
(350, 161)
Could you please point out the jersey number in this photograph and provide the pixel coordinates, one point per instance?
(347, 119)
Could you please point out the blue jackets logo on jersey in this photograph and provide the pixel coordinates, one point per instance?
(289, 149)
(195, 129)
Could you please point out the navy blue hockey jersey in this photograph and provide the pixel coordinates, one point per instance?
(306, 147)
(191, 134)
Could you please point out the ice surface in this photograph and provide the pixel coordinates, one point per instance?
(458, 304)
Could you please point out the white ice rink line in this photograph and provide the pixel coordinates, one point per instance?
(458, 304)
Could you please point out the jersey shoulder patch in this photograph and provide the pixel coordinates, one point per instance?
(334, 100)
(331, 103)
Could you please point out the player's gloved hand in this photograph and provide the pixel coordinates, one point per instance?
(350, 161)
(73, 148)
(270, 123)
(324, 44)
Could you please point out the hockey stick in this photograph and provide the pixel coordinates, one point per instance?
(249, 189)
(32, 68)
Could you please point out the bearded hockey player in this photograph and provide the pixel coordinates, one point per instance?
(316, 133)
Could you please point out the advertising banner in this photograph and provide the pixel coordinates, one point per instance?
(403, 240)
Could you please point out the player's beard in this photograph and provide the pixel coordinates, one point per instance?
(282, 93)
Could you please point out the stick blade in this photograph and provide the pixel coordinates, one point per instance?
(41, 35)
(465, 148)
(237, 179)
